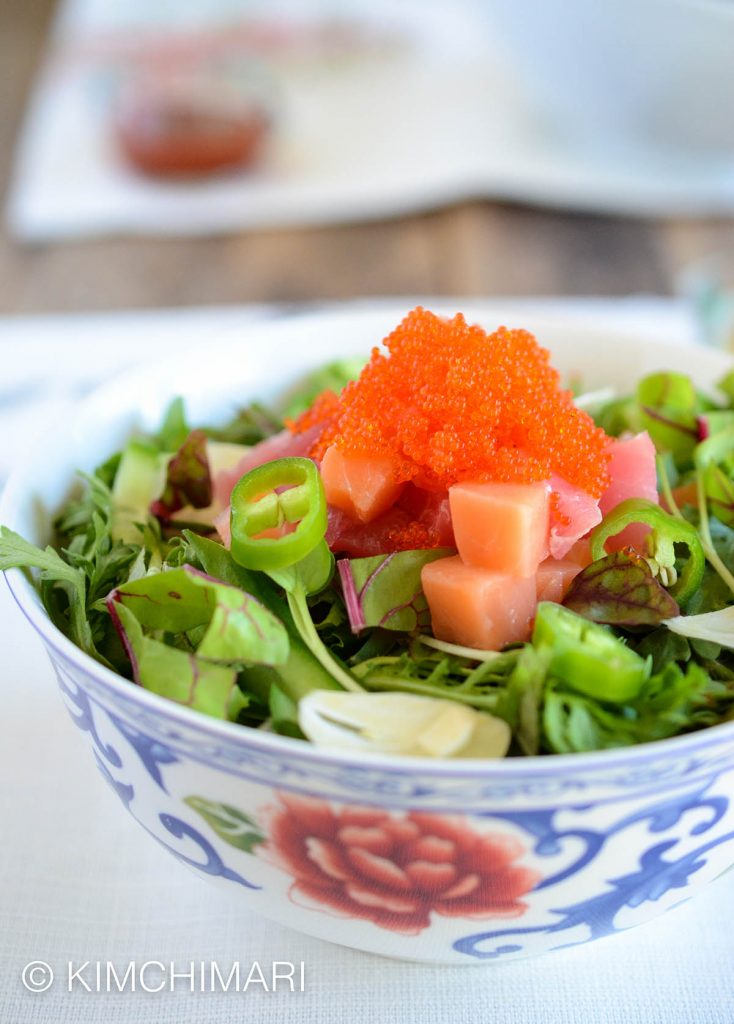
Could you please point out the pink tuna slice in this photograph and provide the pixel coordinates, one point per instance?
(276, 447)
(633, 475)
(221, 524)
(573, 514)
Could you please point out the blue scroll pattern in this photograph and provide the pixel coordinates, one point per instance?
(152, 755)
(683, 812)
(663, 866)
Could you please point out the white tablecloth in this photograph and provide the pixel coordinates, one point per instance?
(79, 881)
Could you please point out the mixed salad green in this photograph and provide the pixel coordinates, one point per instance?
(274, 633)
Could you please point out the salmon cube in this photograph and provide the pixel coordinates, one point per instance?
(477, 607)
(554, 577)
(364, 486)
(502, 527)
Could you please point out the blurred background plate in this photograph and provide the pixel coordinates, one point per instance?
(383, 109)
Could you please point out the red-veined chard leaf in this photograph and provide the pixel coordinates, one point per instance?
(236, 626)
(188, 479)
(714, 422)
(385, 590)
(620, 590)
(176, 674)
(669, 408)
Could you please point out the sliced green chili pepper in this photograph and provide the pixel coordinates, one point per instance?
(588, 657)
(286, 492)
(667, 531)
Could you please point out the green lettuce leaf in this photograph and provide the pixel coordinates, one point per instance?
(174, 429)
(332, 377)
(662, 647)
(672, 701)
(726, 386)
(521, 700)
(249, 426)
(718, 485)
(17, 553)
(431, 673)
(618, 416)
(283, 713)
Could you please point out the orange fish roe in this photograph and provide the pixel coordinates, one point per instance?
(451, 403)
(556, 515)
(326, 408)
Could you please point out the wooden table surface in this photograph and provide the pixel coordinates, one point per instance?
(477, 248)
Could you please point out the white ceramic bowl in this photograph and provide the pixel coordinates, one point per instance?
(456, 862)
(638, 75)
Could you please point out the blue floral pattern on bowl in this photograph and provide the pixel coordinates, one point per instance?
(573, 855)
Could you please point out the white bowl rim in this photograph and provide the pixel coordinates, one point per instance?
(25, 595)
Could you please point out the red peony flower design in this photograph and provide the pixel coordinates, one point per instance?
(394, 871)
